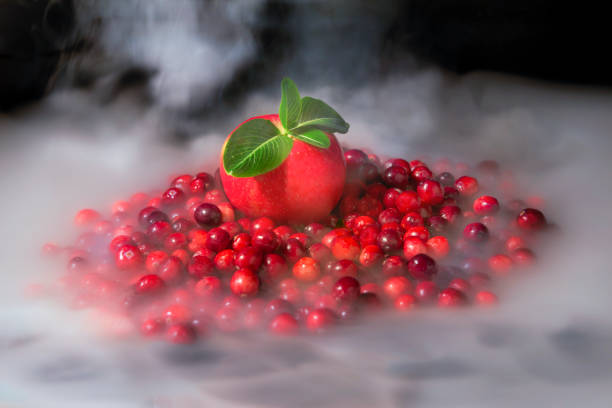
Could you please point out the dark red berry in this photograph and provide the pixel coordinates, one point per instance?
(389, 240)
(249, 257)
(207, 215)
(422, 267)
(476, 232)
(396, 176)
(486, 205)
(531, 219)
(150, 284)
(430, 192)
(217, 239)
(284, 324)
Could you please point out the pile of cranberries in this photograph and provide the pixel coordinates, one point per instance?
(405, 236)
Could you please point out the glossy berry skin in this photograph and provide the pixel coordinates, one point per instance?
(346, 247)
(446, 179)
(294, 250)
(476, 232)
(249, 257)
(414, 246)
(244, 282)
(305, 187)
(274, 267)
(207, 215)
(346, 289)
(422, 267)
(208, 286)
(389, 240)
(173, 197)
(306, 269)
(467, 186)
(396, 176)
(430, 192)
(200, 266)
(371, 255)
(321, 319)
(500, 264)
(405, 302)
(151, 327)
(217, 240)
(394, 265)
(150, 215)
(265, 241)
(450, 213)
(128, 257)
(396, 286)
(421, 173)
(284, 324)
(426, 292)
(438, 247)
(149, 284)
(485, 205)
(355, 158)
(344, 267)
(181, 334)
(450, 298)
(224, 260)
(531, 219)
(408, 201)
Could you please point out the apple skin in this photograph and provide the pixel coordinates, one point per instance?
(305, 187)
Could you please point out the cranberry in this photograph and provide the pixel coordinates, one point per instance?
(389, 215)
(422, 267)
(377, 190)
(523, 256)
(207, 215)
(368, 172)
(418, 231)
(450, 213)
(355, 158)
(181, 334)
(446, 179)
(438, 247)
(346, 289)
(86, 216)
(430, 192)
(275, 266)
(119, 241)
(241, 241)
(393, 265)
(262, 224)
(329, 238)
(174, 241)
(397, 162)
(244, 282)
(408, 201)
(531, 219)
(486, 205)
(284, 324)
(476, 232)
(151, 327)
(217, 240)
(460, 284)
(224, 260)
(177, 313)
(389, 240)
(128, 257)
(154, 260)
(173, 197)
(315, 230)
(405, 302)
(265, 241)
(368, 236)
(150, 284)
(426, 291)
(479, 280)
(500, 264)
(201, 183)
(412, 219)
(200, 266)
(466, 185)
(371, 255)
(344, 267)
(306, 269)
(283, 232)
(182, 225)
(171, 270)
(208, 286)
(294, 250)
(396, 286)
(319, 252)
(346, 247)
(390, 197)
(451, 297)
(396, 176)
(320, 319)
(421, 173)
(278, 306)
(158, 231)
(486, 298)
(413, 246)
(150, 215)
(249, 257)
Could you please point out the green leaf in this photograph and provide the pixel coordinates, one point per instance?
(313, 137)
(255, 148)
(316, 114)
(291, 105)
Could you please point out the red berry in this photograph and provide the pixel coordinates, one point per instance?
(418, 231)
(405, 302)
(523, 256)
(128, 257)
(531, 219)
(217, 239)
(265, 241)
(426, 292)
(476, 232)
(294, 250)
(450, 298)
(396, 286)
(421, 173)
(151, 327)
(438, 247)
(390, 196)
(344, 267)
(181, 334)
(466, 185)
(460, 284)
(284, 324)
(224, 260)
(486, 205)
(371, 255)
(450, 213)
(346, 247)
(500, 264)
(346, 289)
(396, 176)
(200, 266)
(486, 298)
(208, 286)
(173, 197)
(244, 282)
(389, 240)
(412, 219)
(422, 267)
(150, 284)
(413, 246)
(319, 320)
(207, 215)
(274, 267)
(408, 201)
(306, 269)
(86, 216)
(430, 192)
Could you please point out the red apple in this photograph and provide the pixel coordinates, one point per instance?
(305, 187)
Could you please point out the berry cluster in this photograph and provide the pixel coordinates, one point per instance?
(403, 236)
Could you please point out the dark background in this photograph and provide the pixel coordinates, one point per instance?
(557, 41)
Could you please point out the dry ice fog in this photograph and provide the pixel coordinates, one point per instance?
(548, 343)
